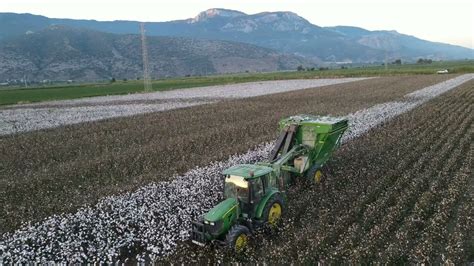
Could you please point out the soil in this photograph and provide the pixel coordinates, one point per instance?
(58, 170)
(402, 193)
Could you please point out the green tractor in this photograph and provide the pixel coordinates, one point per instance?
(255, 193)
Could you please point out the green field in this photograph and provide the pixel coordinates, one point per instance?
(37, 94)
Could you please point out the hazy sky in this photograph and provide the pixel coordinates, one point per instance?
(434, 20)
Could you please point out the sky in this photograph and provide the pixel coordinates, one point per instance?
(435, 20)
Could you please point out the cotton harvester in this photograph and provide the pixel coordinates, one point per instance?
(255, 193)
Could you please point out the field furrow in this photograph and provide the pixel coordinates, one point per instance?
(374, 206)
(446, 200)
(406, 191)
(407, 194)
(327, 223)
(365, 208)
(400, 193)
(428, 247)
(459, 234)
(98, 159)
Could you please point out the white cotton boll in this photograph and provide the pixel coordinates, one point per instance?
(156, 216)
(66, 112)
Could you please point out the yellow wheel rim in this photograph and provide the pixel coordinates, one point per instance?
(274, 214)
(241, 242)
(317, 176)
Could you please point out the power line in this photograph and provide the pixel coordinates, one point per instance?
(146, 72)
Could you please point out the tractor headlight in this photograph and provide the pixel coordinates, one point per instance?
(207, 222)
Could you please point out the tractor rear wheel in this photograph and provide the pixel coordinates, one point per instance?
(273, 210)
(237, 238)
(315, 174)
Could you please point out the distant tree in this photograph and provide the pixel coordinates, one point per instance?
(124, 80)
(397, 62)
(112, 80)
(424, 61)
(300, 68)
(323, 68)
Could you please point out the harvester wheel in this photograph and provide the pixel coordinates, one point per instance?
(237, 238)
(273, 210)
(315, 174)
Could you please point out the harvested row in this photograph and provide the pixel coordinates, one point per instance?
(58, 170)
(400, 194)
(36, 116)
(17, 120)
(239, 90)
(147, 224)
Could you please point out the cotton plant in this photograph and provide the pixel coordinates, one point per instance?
(150, 222)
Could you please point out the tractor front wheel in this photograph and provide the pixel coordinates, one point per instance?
(273, 210)
(237, 238)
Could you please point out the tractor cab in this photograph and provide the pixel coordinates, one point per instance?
(248, 184)
(250, 196)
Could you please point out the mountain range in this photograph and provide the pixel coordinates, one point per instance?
(282, 38)
(67, 53)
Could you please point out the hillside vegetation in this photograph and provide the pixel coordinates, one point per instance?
(282, 31)
(65, 53)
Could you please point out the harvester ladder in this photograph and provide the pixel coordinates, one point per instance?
(284, 141)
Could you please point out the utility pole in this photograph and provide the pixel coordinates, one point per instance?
(146, 72)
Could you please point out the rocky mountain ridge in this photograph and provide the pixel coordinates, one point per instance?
(66, 53)
(284, 32)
